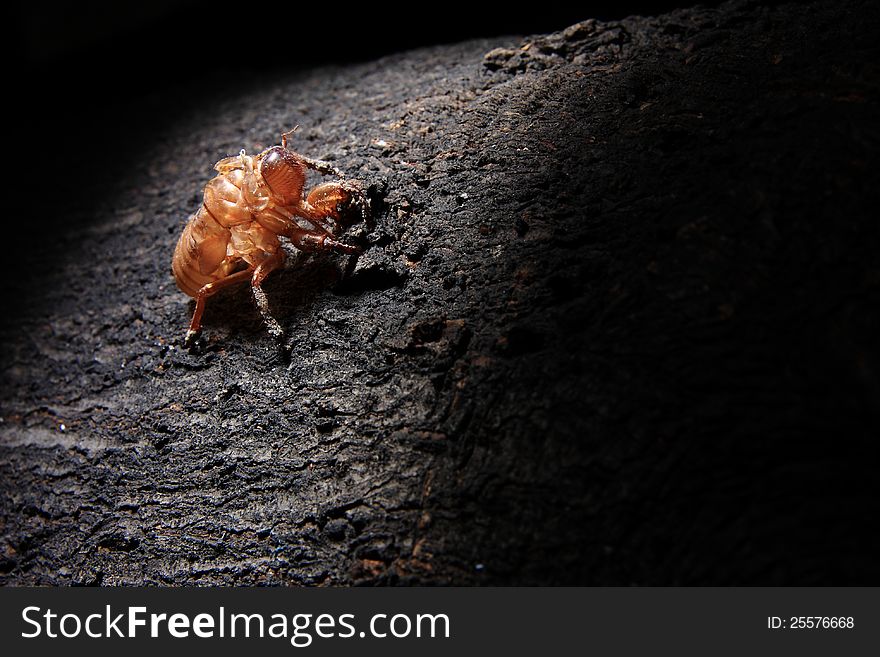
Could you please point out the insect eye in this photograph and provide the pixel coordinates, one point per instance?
(283, 172)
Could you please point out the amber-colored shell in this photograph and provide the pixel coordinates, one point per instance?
(329, 197)
(200, 252)
(283, 172)
(204, 252)
(234, 235)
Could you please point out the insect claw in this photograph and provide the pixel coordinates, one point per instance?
(190, 340)
(285, 351)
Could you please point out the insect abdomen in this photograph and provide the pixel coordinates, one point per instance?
(200, 256)
(199, 253)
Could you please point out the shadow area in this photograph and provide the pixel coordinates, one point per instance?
(678, 372)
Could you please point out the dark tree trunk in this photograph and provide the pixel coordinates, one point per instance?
(617, 324)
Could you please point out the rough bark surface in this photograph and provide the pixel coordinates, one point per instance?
(617, 324)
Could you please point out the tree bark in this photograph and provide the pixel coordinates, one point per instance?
(617, 323)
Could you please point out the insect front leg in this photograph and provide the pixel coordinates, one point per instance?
(322, 167)
(195, 326)
(317, 240)
(344, 202)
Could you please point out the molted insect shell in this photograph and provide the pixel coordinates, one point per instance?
(329, 196)
(222, 200)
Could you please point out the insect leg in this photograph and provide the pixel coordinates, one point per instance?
(266, 267)
(342, 201)
(206, 291)
(322, 167)
(313, 241)
(319, 224)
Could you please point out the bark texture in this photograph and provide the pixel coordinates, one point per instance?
(617, 323)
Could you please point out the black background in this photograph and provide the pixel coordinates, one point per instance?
(111, 71)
